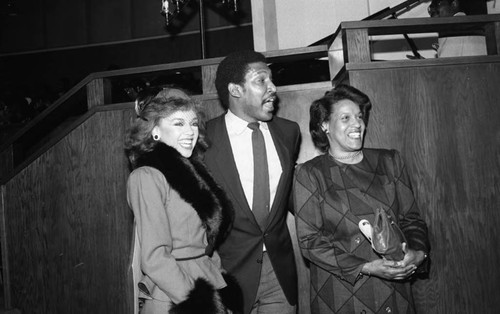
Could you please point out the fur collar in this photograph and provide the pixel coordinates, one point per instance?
(193, 182)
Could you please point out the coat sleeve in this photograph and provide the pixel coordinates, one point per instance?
(410, 221)
(316, 243)
(295, 154)
(147, 192)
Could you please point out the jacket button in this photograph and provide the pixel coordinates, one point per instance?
(259, 260)
(388, 310)
(357, 240)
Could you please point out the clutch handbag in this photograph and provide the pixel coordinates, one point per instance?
(387, 237)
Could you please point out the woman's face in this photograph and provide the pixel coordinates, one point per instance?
(179, 130)
(345, 128)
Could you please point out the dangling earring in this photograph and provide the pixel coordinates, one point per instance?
(156, 137)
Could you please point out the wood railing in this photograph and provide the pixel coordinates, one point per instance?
(96, 90)
(350, 45)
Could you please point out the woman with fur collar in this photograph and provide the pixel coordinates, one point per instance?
(180, 213)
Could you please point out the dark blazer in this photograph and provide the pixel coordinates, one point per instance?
(241, 252)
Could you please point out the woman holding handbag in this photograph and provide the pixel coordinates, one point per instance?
(333, 192)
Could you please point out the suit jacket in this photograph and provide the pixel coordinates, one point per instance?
(241, 252)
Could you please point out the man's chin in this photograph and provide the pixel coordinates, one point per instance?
(266, 116)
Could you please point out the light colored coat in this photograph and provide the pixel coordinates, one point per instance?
(171, 233)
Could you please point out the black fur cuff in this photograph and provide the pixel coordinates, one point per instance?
(202, 299)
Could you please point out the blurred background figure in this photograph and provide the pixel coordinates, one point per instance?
(456, 44)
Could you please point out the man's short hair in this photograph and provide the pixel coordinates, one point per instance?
(233, 70)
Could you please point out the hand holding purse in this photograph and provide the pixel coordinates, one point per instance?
(385, 236)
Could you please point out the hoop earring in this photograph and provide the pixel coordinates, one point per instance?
(156, 137)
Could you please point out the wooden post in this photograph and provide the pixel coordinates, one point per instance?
(493, 38)
(98, 92)
(208, 78)
(336, 57)
(357, 45)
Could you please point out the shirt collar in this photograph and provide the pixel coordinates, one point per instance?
(237, 125)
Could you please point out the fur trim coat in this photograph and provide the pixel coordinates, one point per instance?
(196, 187)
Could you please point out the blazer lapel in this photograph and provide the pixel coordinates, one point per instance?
(227, 169)
(284, 156)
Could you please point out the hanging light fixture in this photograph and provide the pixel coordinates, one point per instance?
(169, 8)
(12, 10)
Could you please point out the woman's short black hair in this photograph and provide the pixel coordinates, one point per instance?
(321, 110)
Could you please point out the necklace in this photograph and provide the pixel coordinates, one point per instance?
(350, 156)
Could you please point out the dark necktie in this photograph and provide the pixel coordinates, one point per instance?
(260, 206)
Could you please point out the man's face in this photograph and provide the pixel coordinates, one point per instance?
(257, 95)
(443, 8)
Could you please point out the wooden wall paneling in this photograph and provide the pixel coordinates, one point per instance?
(109, 20)
(294, 104)
(444, 120)
(210, 106)
(7, 303)
(208, 73)
(69, 226)
(66, 23)
(127, 118)
(6, 161)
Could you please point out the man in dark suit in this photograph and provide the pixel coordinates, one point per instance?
(258, 251)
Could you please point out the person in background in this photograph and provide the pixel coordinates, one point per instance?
(455, 44)
(252, 156)
(337, 189)
(180, 213)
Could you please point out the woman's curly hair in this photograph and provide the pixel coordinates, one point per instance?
(150, 107)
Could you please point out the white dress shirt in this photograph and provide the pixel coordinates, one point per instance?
(459, 46)
(240, 136)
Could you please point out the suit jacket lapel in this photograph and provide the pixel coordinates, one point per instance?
(284, 156)
(227, 168)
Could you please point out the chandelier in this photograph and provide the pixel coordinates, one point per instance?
(169, 8)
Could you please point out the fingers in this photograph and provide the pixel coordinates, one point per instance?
(405, 247)
(394, 270)
(393, 264)
(403, 273)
